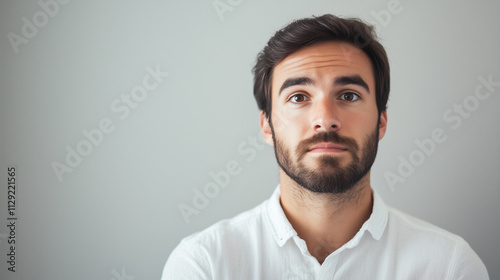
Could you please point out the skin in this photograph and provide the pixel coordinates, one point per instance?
(325, 221)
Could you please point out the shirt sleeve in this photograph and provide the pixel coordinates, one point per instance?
(186, 263)
(468, 265)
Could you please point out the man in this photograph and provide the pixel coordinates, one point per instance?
(322, 86)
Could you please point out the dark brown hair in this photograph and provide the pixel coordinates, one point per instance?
(310, 31)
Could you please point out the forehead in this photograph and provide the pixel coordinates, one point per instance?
(325, 61)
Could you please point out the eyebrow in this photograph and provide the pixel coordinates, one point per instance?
(351, 80)
(296, 81)
(339, 81)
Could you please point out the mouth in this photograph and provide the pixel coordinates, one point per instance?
(327, 148)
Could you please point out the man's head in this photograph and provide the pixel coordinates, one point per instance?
(322, 85)
(310, 31)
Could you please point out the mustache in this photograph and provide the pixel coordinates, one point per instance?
(328, 137)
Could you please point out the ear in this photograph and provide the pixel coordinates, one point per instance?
(265, 129)
(382, 125)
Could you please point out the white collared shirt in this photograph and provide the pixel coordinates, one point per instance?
(262, 244)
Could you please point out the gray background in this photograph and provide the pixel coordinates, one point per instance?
(116, 215)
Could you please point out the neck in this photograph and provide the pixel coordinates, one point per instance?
(326, 221)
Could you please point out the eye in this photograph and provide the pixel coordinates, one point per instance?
(349, 96)
(298, 98)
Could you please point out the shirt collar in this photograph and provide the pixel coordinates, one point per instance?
(282, 229)
(378, 219)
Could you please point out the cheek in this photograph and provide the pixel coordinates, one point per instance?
(290, 131)
(360, 123)
(285, 114)
(290, 124)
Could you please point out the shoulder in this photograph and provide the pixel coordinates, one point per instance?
(421, 234)
(433, 246)
(228, 229)
(408, 224)
(201, 254)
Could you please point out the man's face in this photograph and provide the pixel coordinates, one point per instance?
(324, 121)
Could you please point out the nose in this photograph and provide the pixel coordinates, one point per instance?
(325, 116)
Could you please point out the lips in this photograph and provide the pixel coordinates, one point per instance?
(327, 147)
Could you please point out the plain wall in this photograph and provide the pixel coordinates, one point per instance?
(115, 212)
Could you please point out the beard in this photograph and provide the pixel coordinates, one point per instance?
(329, 176)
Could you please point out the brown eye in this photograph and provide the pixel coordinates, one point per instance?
(349, 96)
(298, 98)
